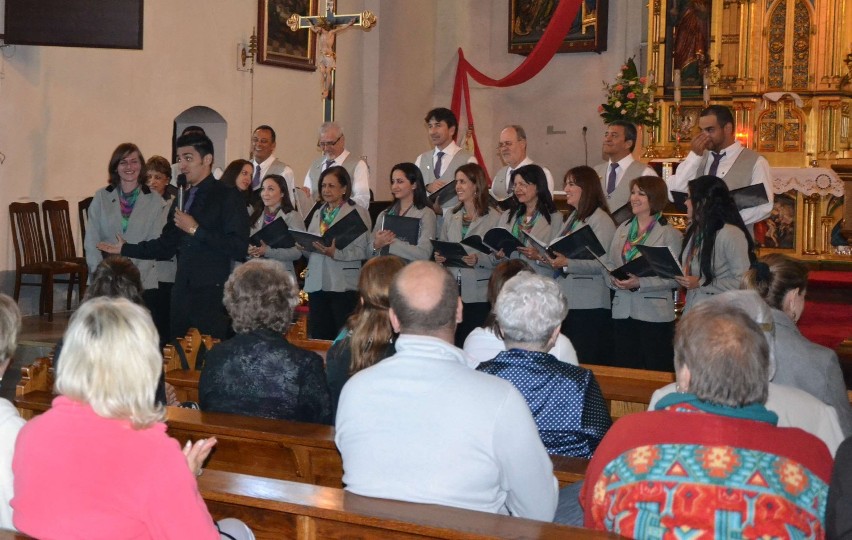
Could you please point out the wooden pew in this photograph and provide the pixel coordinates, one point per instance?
(628, 390)
(36, 377)
(13, 535)
(279, 509)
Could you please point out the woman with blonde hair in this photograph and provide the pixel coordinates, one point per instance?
(368, 337)
(117, 473)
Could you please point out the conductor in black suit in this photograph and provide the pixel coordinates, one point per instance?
(210, 232)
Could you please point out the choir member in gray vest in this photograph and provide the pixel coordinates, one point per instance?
(332, 143)
(264, 162)
(716, 152)
(619, 168)
(439, 164)
(513, 152)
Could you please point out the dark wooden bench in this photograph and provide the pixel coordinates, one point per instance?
(12, 535)
(280, 509)
(628, 390)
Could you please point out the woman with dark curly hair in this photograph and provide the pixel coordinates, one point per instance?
(717, 247)
(258, 372)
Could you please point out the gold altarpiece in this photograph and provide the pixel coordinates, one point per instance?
(783, 66)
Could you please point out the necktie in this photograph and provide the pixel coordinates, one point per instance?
(715, 165)
(438, 165)
(510, 188)
(189, 200)
(610, 183)
(328, 163)
(255, 182)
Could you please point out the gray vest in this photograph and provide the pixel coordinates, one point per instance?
(739, 175)
(621, 195)
(449, 169)
(500, 183)
(316, 169)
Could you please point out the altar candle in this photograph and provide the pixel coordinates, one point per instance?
(677, 86)
(706, 89)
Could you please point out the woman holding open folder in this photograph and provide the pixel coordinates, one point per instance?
(410, 201)
(332, 279)
(643, 307)
(717, 247)
(276, 204)
(472, 216)
(588, 322)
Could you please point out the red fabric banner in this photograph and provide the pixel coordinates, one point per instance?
(539, 57)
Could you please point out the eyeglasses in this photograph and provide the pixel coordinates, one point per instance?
(505, 144)
(325, 144)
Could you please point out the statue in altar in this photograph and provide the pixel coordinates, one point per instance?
(690, 38)
(326, 57)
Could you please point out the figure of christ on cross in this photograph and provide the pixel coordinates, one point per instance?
(326, 28)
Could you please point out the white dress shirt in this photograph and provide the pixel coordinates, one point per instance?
(360, 184)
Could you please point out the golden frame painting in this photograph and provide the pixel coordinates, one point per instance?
(277, 44)
(528, 20)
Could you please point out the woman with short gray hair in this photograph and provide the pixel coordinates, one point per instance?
(258, 372)
(565, 400)
(10, 422)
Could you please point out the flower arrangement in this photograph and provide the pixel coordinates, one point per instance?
(630, 98)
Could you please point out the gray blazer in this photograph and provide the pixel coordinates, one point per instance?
(810, 367)
(730, 263)
(474, 281)
(582, 282)
(285, 256)
(423, 250)
(338, 273)
(145, 223)
(542, 230)
(654, 301)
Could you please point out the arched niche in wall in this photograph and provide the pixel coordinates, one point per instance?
(213, 124)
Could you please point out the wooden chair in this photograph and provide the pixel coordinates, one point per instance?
(60, 244)
(83, 215)
(31, 258)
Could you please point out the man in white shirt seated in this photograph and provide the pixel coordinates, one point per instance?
(513, 151)
(716, 152)
(620, 167)
(332, 143)
(423, 427)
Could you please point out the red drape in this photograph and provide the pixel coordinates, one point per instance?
(540, 56)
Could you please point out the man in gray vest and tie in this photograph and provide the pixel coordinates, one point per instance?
(715, 151)
(332, 143)
(439, 164)
(620, 167)
(513, 151)
(264, 162)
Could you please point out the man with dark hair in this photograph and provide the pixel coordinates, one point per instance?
(264, 162)
(620, 167)
(439, 164)
(513, 151)
(421, 426)
(208, 234)
(716, 151)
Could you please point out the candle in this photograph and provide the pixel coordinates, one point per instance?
(677, 86)
(706, 89)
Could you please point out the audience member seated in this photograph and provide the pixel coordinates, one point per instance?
(117, 277)
(98, 463)
(484, 343)
(794, 407)
(838, 514)
(368, 336)
(258, 372)
(10, 422)
(423, 427)
(565, 400)
(782, 282)
(711, 462)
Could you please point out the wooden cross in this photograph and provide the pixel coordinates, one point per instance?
(326, 27)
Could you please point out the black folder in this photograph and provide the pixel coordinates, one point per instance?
(662, 261)
(506, 203)
(406, 229)
(639, 267)
(443, 195)
(622, 214)
(476, 243)
(344, 232)
(747, 197)
(581, 244)
(275, 235)
(452, 251)
(501, 239)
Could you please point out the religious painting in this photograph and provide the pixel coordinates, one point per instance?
(778, 231)
(277, 44)
(688, 40)
(686, 124)
(528, 19)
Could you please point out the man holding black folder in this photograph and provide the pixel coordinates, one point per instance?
(716, 152)
(439, 165)
(620, 167)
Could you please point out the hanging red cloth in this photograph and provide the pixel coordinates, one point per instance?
(539, 57)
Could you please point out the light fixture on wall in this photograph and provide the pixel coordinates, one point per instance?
(246, 53)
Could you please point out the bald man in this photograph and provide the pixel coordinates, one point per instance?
(422, 426)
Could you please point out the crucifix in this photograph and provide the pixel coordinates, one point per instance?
(326, 28)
